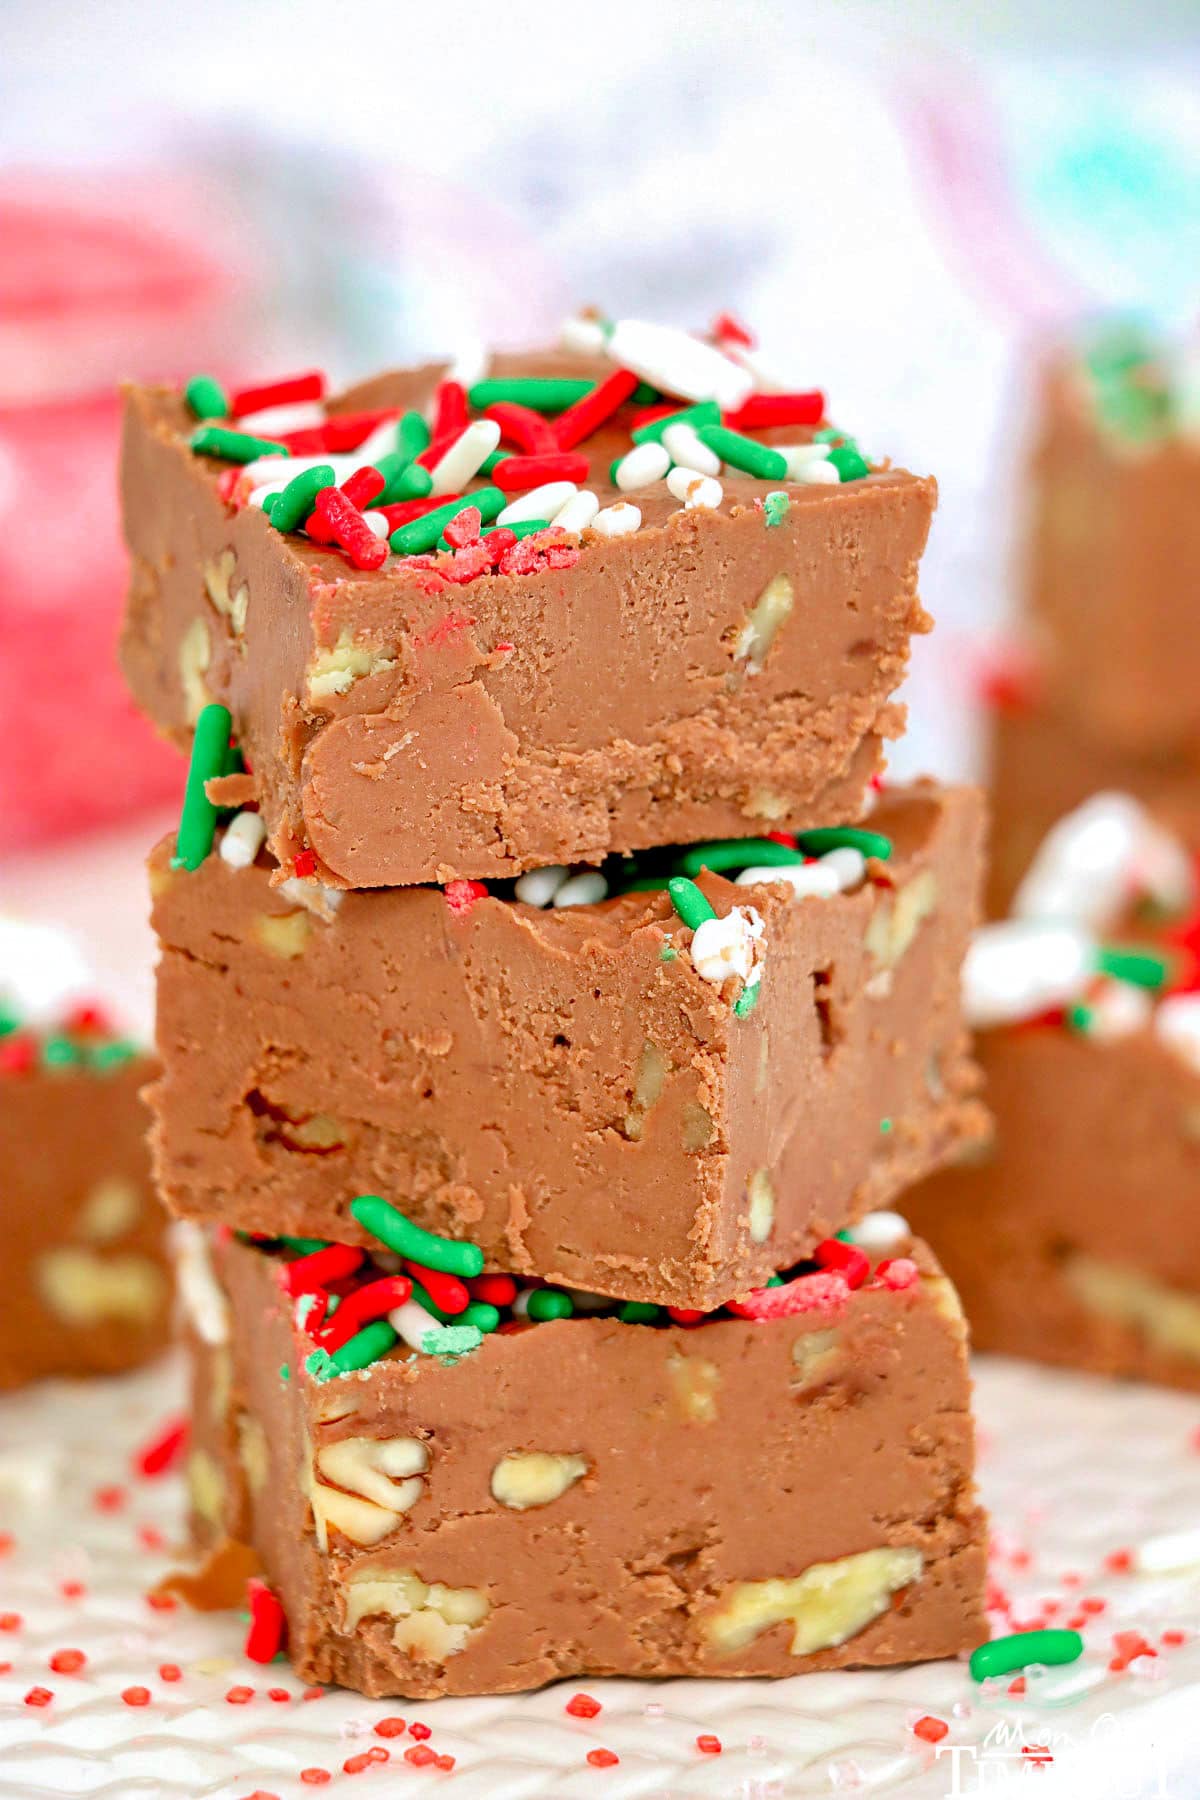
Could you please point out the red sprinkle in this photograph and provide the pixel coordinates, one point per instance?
(444, 1761)
(497, 1290)
(67, 1662)
(161, 1602)
(449, 408)
(18, 1054)
(517, 473)
(72, 1590)
(11, 1621)
(446, 1291)
(354, 1765)
(390, 1727)
(848, 1259)
(931, 1729)
(708, 1744)
(764, 410)
(310, 386)
(419, 1731)
(1173, 1638)
(315, 1777)
(522, 426)
(87, 1020)
(360, 489)
(582, 1706)
(898, 1273)
(165, 1449)
(420, 1756)
(109, 1499)
(264, 1638)
(603, 1759)
(239, 1696)
(464, 528)
(313, 1693)
(650, 415)
(587, 415)
(170, 1672)
(371, 1301)
(38, 1696)
(305, 864)
(462, 895)
(319, 1267)
(825, 1293)
(278, 1695)
(136, 1696)
(1119, 1562)
(349, 530)
(685, 1315)
(728, 330)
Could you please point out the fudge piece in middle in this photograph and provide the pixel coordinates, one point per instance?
(655, 672)
(596, 1094)
(753, 1495)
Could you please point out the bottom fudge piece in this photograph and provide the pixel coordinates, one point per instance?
(1074, 1237)
(86, 1283)
(601, 1094)
(597, 1494)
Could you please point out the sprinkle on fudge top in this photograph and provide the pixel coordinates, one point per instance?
(447, 474)
(1140, 390)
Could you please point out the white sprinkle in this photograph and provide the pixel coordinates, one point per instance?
(203, 1297)
(520, 1306)
(243, 839)
(1097, 859)
(678, 363)
(578, 512)
(798, 455)
(587, 1302)
(879, 1231)
(1016, 969)
(318, 898)
(815, 474)
(269, 421)
(381, 442)
(803, 878)
(471, 363)
(728, 946)
(582, 890)
(539, 503)
(279, 470)
(695, 489)
(584, 335)
(461, 461)
(641, 466)
(412, 1324)
(685, 447)
(618, 520)
(378, 522)
(537, 887)
(260, 495)
(1173, 1550)
(1177, 1023)
(849, 865)
(1117, 1009)
(42, 970)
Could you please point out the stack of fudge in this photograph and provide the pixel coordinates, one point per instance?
(87, 1288)
(551, 1009)
(1075, 1237)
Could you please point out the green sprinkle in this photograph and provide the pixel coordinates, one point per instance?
(845, 837)
(1079, 1018)
(1005, 1655)
(645, 884)
(60, 1053)
(365, 1347)
(885, 1125)
(549, 1303)
(489, 462)
(747, 1000)
(689, 902)
(296, 502)
(408, 1240)
(451, 1341)
(198, 820)
(403, 477)
(423, 1298)
(234, 446)
(737, 853)
(412, 435)
(643, 394)
(776, 508)
(833, 434)
(302, 1246)
(639, 1312)
(775, 1281)
(668, 953)
(845, 1235)
(705, 412)
(1142, 968)
(849, 462)
(421, 535)
(285, 1374)
(523, 528)
(543, 393)
(320, 1366)
(9, 1020)
(744, 453)
(115, 1054)
(481, 1314)
(206, 398)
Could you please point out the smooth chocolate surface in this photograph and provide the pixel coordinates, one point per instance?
(589, 1498)
(1076, 1239)
(562, 1087)
(406, 735)
(86, 1285)
(1113, 571)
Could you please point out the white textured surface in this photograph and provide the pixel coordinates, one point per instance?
(1074, 1471)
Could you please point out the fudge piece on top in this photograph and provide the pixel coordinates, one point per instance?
(1114, 557)
(1075, 1238)
(87, 1287)
(656, 661)
(474, 1514)
(602, 1094)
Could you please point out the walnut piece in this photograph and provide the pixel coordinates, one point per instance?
(830, 1603)
(195, 654)
(898, 917)
(335, 671)
(378, 1480)
(694, 1380)
(206, 1489)
(814, 1355)
(81, 1288)
(282, 934)
(1170, 1320)
(108, 1211)
(652, 1071)
(252, 1452)
(763, 622)
(526, 1478)
(433, 1622)
(760, 1193)
(229, 601)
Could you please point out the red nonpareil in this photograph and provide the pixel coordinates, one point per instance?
(268, 1624)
